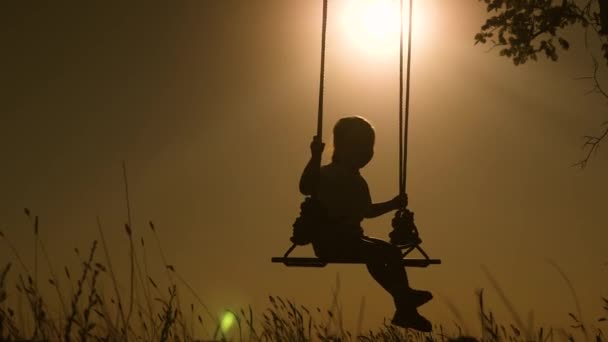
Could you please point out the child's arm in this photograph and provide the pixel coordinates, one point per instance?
(310, 175)
(382, 208)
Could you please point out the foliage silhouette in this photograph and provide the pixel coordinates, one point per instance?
(523, 30)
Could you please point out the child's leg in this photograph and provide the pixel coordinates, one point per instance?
(387, 271)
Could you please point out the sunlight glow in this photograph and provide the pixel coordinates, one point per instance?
(373, 25)
(380, 19)
(227, 321)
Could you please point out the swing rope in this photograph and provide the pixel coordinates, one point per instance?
(319, 135)
(322, 76)
(404, 231)
(311, 213)
(403, 126)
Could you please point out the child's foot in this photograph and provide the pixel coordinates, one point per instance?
(412, 319)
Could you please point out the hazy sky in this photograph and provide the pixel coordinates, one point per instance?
(213, 103)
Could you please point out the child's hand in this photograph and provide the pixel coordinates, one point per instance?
(400, 201)
(316, 147)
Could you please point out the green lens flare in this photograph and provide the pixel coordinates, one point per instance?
(227, 321)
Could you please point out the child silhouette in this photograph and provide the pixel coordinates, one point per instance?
(345, 196)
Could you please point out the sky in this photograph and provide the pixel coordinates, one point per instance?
(212, 105)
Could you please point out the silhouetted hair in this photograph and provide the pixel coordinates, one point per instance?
(352, 132)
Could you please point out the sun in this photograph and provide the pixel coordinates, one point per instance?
(379, 19)
(374, 25)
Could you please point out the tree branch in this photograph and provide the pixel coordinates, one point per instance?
(592, 143)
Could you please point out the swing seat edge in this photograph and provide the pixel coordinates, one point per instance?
(318, 262)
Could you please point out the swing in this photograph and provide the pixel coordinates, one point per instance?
(312, 214)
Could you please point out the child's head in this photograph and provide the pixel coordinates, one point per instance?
(353, 141)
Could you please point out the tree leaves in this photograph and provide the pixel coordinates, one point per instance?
(524, 28)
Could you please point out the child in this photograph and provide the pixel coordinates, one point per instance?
(345, 196)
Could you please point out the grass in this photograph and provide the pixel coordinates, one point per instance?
(145, 311)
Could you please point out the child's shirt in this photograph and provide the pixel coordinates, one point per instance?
(345, 195)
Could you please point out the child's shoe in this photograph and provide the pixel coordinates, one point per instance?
(411, 319)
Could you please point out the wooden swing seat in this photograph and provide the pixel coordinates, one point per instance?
(322, 262)
(318, 262)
